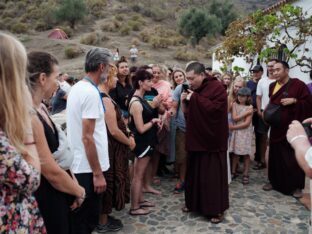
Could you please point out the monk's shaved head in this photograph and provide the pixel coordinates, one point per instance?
(197, 67)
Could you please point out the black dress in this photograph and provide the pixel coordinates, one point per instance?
(145, 142)
(117, 177)
(53, 204)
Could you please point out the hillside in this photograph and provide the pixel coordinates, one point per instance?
(151, 25)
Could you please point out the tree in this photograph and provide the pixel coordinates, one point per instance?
(71, 11)
(266, 35)
(225, 12)
(196, 24)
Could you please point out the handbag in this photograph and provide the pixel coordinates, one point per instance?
(272, 112)
(63, 155)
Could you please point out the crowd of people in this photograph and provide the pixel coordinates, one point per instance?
(124, 125)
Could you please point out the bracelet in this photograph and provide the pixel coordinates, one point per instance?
(30, 143)
(308, 157)
(297, 137)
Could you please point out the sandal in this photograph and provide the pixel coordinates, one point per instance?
(146, 204)
(179, 188)
(185, 210)
(217, 219)
(234, 176)
(259, 166)
(134, 212)
(245, 179)
(156, 181)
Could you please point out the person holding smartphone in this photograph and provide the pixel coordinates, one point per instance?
(298, 137)
(176, 112)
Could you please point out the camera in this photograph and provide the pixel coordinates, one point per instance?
(185, 87)
(308, 129)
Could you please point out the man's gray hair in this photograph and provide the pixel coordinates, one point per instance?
(95, 57)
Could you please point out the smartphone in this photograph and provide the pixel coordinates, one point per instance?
(308, 129)
(185, 87)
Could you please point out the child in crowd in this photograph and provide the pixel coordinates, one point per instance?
(241, 139)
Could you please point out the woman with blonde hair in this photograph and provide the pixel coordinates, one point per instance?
(119, 145)
(179, 129)
(19, 162)
(226, 79)
(239, 82)
(59, 190)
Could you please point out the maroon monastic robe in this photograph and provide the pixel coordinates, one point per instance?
(285, 175)
(206, 180)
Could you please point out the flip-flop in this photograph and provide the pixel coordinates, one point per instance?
(217, 219)
(185, 209)
(146, 204)
(245, 180)
(135, 214)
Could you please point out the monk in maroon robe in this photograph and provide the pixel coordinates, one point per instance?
(293, 96)
(205, 107)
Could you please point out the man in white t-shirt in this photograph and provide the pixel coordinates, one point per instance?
(262, 101)
(87, 136)
(133, 54)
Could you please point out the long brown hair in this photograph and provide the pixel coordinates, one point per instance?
(123, 60)
(14, 95)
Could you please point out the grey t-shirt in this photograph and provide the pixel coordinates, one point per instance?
(180, 120)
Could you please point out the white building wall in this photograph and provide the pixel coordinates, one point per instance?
(295, 71)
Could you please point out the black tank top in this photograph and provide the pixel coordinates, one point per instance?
(150, 136)
(51, 135)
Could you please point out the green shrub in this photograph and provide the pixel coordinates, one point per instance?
(105, 38)
(7, 23)
(71, 11)
(138, 18)
(135, 41)
(158, 14)
(109, 27)
(117, 24)
(20, 5)
(185, 55)
(155, 13)
(145, 35)
(125, 30)
(9, 13)
(119, 17)
(47, 9)
(90, 39)
(137, 7)
(24, 38)
(134, 25)
(160, 42)
(72, 51)
(178, 40)
(96, 7)
(19, 28)
(40, 26)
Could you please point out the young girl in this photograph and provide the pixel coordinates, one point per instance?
(241, 139)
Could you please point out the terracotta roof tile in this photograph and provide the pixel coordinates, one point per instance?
(277, 5)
